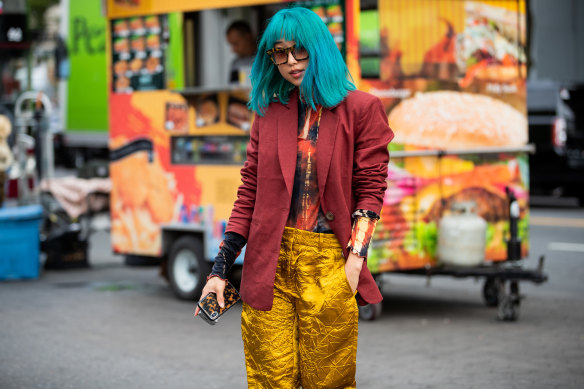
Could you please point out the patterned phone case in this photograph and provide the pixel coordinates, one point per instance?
(211, 311)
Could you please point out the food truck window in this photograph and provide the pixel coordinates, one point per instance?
(208, 55)
(218, 131)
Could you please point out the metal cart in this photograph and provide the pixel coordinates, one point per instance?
(502, 278)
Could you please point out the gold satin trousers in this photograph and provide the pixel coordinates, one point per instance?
(309, 337)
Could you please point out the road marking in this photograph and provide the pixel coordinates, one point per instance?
(556, 221)
(560, 246)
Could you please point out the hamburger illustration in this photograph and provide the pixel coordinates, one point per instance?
(457, 120)
(489, 49)
(491, 46)
(423, 189)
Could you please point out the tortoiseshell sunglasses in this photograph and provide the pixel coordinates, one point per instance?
(279, 56)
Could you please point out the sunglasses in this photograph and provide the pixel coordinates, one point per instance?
(279, 56)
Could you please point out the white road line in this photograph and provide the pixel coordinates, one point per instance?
(561, 246)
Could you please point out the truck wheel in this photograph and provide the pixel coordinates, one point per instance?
(370, 312)
(491, 291)
(187, 269)
(378, 281)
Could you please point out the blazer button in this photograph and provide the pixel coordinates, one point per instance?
(330, 216)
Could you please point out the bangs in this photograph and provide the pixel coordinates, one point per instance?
(284, 27)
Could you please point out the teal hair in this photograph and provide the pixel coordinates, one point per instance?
(326, 81)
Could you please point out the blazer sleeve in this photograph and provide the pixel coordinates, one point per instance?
(240, 219)
(371, 157)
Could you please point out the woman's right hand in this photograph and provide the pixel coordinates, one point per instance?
(217, 286)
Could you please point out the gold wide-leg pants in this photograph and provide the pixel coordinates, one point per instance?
(309, 337)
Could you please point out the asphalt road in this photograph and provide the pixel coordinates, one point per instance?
(112, 326)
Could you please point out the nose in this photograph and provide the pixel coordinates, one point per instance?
(291, 59)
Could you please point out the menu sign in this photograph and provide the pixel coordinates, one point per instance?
(138, 45)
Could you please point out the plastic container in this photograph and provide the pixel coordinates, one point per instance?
(20, 242)
(462, 236)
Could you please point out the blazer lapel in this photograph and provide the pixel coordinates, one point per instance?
(327, 133)
(287, 134)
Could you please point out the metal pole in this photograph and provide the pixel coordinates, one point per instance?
(514, 242)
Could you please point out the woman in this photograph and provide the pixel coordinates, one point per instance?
(303, 207)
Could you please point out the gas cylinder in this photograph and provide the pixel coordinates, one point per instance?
(462, 236)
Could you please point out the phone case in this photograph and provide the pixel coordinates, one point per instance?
(211, 311)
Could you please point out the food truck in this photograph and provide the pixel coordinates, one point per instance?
(451, 75)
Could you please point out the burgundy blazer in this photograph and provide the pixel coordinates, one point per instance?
(352, 161)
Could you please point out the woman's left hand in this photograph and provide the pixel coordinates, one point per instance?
(353, 269)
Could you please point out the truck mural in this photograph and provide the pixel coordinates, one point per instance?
(450, 73)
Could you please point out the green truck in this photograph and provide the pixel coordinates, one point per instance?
(85, 119)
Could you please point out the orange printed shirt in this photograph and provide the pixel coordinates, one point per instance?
(305, 210)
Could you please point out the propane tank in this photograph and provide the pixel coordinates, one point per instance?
(462, 236)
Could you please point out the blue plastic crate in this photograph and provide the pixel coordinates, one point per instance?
(20, 242)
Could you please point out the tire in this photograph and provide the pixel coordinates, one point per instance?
(378, 281)
(187, 269)
(491, 291)
(370, 312)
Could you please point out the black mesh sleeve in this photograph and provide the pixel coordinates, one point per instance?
(228, 252)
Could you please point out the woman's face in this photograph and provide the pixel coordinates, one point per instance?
(293, 70)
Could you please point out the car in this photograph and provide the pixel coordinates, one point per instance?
(556, 128)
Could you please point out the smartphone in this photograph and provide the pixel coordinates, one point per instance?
(211, 311)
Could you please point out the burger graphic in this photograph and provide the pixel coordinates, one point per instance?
(457, 120)
(423, 188)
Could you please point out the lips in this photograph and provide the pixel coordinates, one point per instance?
(296, 73)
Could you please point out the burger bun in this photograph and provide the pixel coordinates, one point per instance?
(457, 120)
